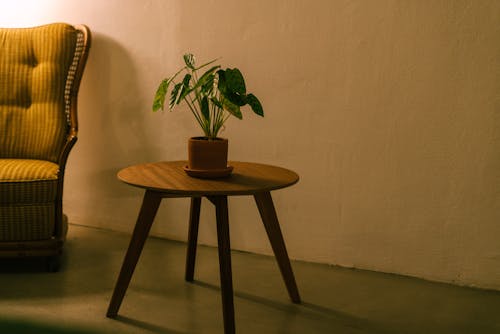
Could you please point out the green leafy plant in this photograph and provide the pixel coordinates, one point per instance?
(212, 97)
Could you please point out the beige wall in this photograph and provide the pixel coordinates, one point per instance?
(388, 110)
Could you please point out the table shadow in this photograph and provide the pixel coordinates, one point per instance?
(311, 311)
(147, 326)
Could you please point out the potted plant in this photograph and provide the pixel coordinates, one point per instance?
(212, 94)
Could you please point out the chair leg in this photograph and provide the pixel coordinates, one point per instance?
(150, 204)
(194, 222)
(53, 263)
(226, 280)
(267, 211)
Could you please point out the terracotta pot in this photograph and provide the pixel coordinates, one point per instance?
(207, 154)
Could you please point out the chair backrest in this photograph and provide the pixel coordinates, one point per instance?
(40, 72)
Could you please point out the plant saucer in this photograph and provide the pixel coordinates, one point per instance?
(209, 173)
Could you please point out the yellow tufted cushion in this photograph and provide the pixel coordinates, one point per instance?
(32, 82)
(27, 181)
(28, 190)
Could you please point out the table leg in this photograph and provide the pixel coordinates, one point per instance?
(194, 221)
(267, 211)
(150, 204)
(226, 280)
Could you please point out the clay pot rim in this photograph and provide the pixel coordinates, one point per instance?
(208, 139)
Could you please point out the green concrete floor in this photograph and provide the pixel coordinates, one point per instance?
(335, 300)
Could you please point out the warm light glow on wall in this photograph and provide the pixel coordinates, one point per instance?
(26, 13)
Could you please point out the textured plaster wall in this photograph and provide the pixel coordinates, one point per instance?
(388, 110)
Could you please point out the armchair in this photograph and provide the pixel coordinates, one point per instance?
(40, 72)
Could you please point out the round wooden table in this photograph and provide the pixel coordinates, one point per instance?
(168, 179)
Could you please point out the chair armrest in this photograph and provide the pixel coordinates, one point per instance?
(63, 157)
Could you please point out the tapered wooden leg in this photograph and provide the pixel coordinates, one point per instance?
(267, 211)
(150, 204)
(226, 280)
(194, 221)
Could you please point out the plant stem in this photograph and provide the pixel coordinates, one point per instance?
(193, 110)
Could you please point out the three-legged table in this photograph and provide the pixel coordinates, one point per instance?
(168, 179)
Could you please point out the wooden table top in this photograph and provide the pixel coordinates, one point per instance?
(169, 177)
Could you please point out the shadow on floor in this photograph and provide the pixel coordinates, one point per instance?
(146, 326)
(311, 311)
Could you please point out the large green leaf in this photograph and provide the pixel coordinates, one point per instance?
(255, 104)
(234, 81)
(235, 98)
(209, 72)
(221, 81)
(208, 85)
(206, 81)
(234, 109)
(185, 87)
(205, 109)
(161, 92)
(174, 95)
